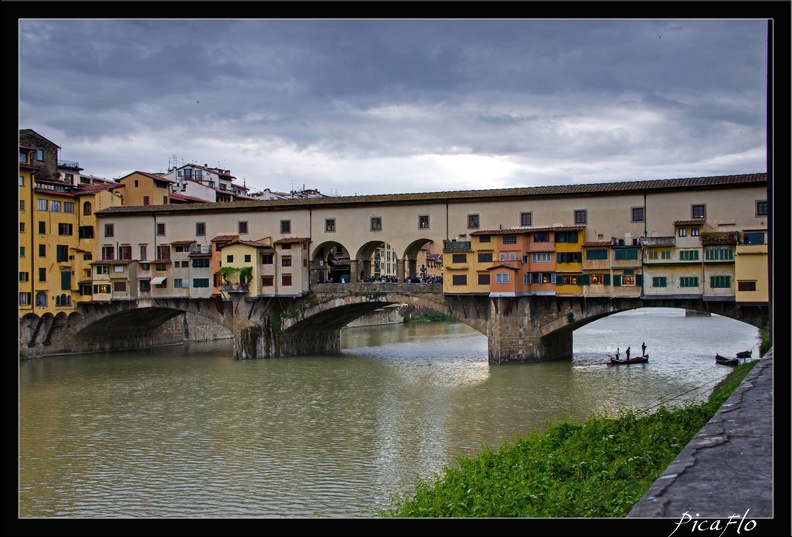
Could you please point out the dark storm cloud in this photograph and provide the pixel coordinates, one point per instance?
(340, 105)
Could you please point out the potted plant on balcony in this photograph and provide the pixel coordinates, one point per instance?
(245, 276)
(224, 272)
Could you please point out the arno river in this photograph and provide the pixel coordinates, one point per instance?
(190, 432)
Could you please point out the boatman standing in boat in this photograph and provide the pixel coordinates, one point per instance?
(627, 352)
(617, 353)
(643, 348)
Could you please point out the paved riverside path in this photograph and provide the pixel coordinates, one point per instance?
(727, 468)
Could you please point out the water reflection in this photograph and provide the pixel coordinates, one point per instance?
(190, 432)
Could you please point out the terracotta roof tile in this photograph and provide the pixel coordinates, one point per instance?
(225, 238)
(292, 240)
(525, 230)
(504, 265)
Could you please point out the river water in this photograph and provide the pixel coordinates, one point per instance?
(189, 432)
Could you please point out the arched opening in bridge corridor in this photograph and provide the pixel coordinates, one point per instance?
(376, 261)
(331, 263)
(423, 261)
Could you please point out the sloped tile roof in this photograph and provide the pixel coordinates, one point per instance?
(225, 238)
(292, 240)
(504, 265)
(524, 229)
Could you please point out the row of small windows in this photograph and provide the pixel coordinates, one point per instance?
(621, 254)
(200, 228)
(552, 278)
(41, 299)
(713, 254)
(526, 219)
(619, 280)
(55, 206)
(716, 282)
(24, 159)
(637, 214)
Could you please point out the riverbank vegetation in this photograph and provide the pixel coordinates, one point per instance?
(766, 342)
(428, 316)
(600, 468)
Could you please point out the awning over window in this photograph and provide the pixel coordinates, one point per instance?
(157, 281)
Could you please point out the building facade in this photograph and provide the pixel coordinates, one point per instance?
(57, 229)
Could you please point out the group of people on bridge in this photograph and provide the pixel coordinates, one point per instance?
(392, 279)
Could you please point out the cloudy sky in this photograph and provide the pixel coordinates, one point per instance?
(395, 106)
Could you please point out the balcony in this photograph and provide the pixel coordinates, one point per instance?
(235, 287)
(456, 246)
(657, 241)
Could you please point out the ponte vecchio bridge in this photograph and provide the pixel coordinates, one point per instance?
(519, 329)
(282, 321)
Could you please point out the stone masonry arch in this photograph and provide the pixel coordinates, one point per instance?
(126, 325)
(519, 329)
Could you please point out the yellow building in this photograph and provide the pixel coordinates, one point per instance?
(569, 260)
(26, 226)
(751, 269)
(248, 267)
(57, 230)
(141, 188)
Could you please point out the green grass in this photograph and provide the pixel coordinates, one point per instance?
(600, 468)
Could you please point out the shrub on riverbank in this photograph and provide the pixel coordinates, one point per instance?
(766, 342)
(598, 469)
(428, 316)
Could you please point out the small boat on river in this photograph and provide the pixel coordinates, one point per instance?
(627, 361)
(744, 354)
(722, 360)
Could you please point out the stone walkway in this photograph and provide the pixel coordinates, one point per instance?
(727, 469)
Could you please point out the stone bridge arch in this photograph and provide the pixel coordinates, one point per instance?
(125, 325)
(313, 323)
(518, 329)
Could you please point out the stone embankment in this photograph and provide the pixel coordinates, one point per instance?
(727, 469)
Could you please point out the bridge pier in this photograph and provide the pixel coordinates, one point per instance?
(261, 342)
(514, 331)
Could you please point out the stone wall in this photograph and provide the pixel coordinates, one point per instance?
(178, 330)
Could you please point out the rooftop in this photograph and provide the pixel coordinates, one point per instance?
(624, 187)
